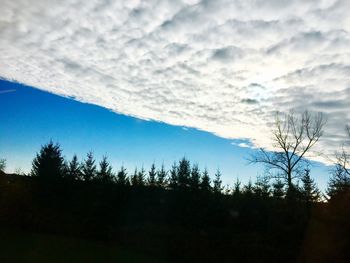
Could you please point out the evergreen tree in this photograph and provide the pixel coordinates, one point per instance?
(309, 190)
(152, 176)
(248, 189)
(184, 173)
(74, 172)
(105, 173)
(2, 164)
(339, 182)
(262, 186)
(278, 189)
(122, 177)
(49, 162)
(217, 182)
(134, 178)
(141, 177)
(237, 188)
(89, 168)
(173, 180)
(195, 178)
(205, 182)
(161, 177)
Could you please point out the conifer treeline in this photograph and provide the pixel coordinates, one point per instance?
(50, 164)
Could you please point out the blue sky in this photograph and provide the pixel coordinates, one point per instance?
(30, 117)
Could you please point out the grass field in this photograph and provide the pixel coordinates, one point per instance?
(29, 247)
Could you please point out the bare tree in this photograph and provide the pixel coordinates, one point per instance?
(340, 179)
(293, 138)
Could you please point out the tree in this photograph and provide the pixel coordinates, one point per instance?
(340, 181)
(217, 183)
(173, 180)
(262, 186)
(141, 177)
(73, 170)
(134, 178)
(278, 189)
(122, 177)
(309, 191)
(105, 173)
(293, 138)
(89, 167)
(152, 176)
(161, 177)
(184, 173)
(195, 178)
(237, 188)
(49, 162)
(205, 182)
(248, 189)
(2, 165)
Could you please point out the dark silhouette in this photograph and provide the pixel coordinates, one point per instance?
(179, 215)
(293, 138)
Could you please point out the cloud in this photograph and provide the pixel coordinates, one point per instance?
(221, 66)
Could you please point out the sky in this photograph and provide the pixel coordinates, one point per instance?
(220, 66)
(30, 118)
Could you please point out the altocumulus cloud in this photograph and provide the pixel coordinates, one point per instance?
(223, 66)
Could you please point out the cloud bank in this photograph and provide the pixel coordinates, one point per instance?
(223, 66)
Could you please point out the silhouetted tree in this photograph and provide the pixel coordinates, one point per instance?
(173, 180)
(105, 173)
(237, 188)
(88, 168)
(134, 178)
(217, 183)
(195, 177)
(49, 162)
(262, 186)
(122, 177)
(248, 189)
(141, 177)
(205, 182)
(309, 190)
(74, 171)
(339, 182)
(184, 173)
(161, 177)
(293, 139)
(151, 180)
(2, 164)
(278, 189)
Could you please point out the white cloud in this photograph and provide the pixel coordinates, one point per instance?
(222, 66)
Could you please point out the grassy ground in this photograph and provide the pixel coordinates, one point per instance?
(28, 247)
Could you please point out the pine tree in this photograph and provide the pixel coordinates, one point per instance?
(278, 189)
(205, 182)
(262, 186)
(141, 177)
(105, 173)
(89, 168)
(161, 177)
(122, 177)
(217, 182)
(74, 172)
(195, 178)
(134, 178)
(237, 188)
(184, 173)
(309, 190)
(2, 165)
(248, 188)
(339, 182)
(49, 162)
(152, 176)
(173, 180)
